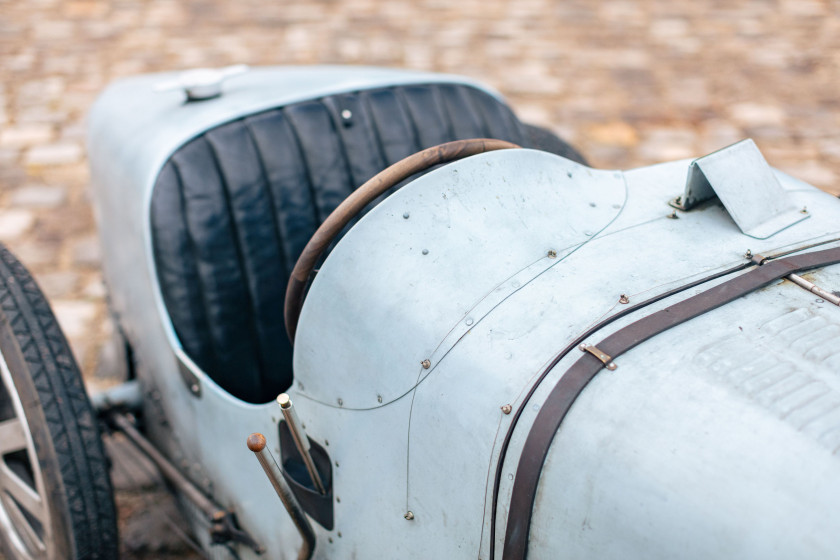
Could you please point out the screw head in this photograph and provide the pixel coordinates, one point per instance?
(552, 254)
(507, 409)
(409, 515)
(623, 299)
(426, 364)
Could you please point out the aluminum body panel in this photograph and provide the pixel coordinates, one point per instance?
(492, 309)
(133, 130)
(456, 424)
(745, 184)
(718, 438)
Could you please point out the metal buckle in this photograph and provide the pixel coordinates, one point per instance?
(601, 355)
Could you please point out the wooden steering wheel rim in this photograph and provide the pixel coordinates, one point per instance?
(361, 197)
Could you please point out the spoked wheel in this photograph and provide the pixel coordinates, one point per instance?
(55, 492)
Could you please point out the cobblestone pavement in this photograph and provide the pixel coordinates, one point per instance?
(630, 83)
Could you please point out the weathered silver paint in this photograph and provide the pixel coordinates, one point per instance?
(133, 130)
(740, 177)
(379, 310)
(457, 268)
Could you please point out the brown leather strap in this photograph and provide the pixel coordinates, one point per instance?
(572, 383)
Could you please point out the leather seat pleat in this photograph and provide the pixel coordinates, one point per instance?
(180, 286)
(319, 143)
(296, 215)
(463, 119)
(226, 299)
(358, 139)
(233, 209)
(392, 123)
(423, 103)
(258, 243)
(500, 121)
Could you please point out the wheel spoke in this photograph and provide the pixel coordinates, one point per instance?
(12, 436)
(21, 492)
(31, 540)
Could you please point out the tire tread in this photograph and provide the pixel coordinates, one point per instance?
(70, 418)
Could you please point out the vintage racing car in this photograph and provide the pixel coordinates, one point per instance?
(368, 313)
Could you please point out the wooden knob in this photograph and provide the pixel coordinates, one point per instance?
(256, 442)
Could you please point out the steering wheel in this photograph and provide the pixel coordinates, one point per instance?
(361, 197)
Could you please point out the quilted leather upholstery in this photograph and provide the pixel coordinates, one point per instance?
(233, 208)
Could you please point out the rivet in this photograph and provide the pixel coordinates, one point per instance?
(425, 251)
(409, 515)
(507, 408)
(340, 402)
(804, 210)
(426, 364)
(194, 387)
(346, 114)
(406, 215)
(510, 476)
(339, 534)
(336, 463)
(552, 254)
(379, 398)
(329, 539)
(748, 254)
(673, 216)
(337, 499)
(623, 299)
(592, 204)
(611, 366)
(602, 356)
(569, 174)
(536, 407)
(582, 347)
(469, 321)
(327, 442)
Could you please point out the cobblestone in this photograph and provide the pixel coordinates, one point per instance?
(39, 196)
(630, 82)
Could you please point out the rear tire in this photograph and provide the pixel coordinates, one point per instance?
(56, 500)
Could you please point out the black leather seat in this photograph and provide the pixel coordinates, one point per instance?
(233, 208)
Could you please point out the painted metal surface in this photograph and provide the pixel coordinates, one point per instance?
(722, 446)
(502, 258)
(454, 414)
(740, 177)
(133, 130)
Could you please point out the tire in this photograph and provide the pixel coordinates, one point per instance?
(56, 500)
(545, 140)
